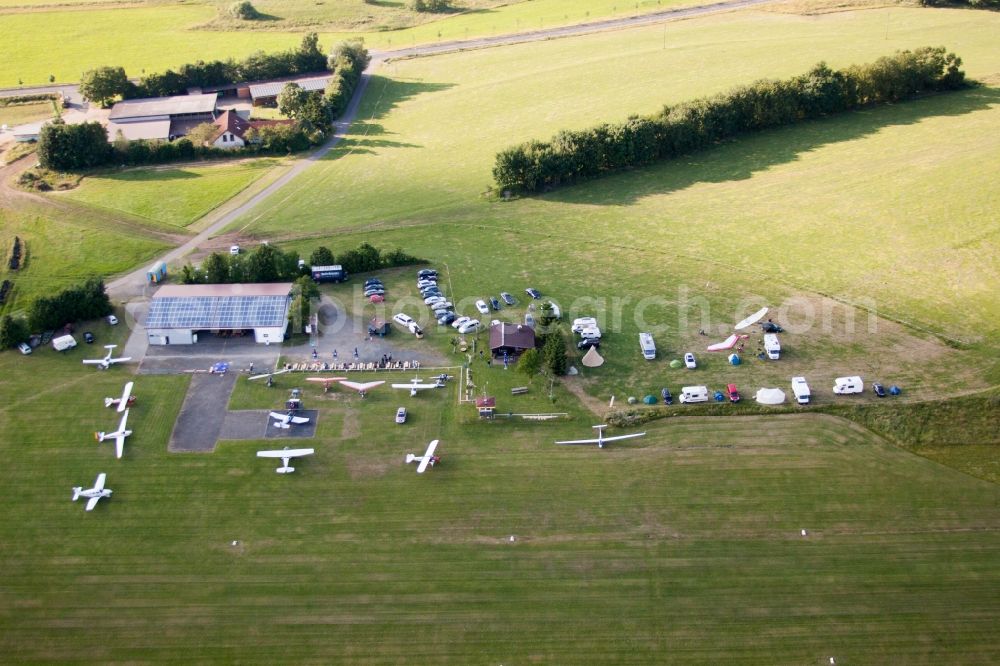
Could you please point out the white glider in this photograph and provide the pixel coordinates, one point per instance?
(123, 402)
(601, 439)
(751, 320)
(107, 361)
(119, 436)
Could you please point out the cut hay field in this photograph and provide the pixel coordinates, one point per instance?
(892, 209)
(681, 547)
(169, 196)
(20, 114)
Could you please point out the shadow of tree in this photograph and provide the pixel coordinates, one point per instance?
(741, 158)
(389, 93)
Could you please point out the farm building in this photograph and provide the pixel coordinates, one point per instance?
(266, 94)
(178, 312)
(233, 128)
(160, 118)
(511, 338)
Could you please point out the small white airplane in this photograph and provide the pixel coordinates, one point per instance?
(285, 454)
(267, 374)
(119, 435)
(107, 361)
(123, 402)
(285, 421)
(327, 381)
(416, 384)
(361, 387)
(428, 459)
(93, 494)
(601, 439)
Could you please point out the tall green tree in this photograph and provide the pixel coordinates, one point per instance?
(554, 353)
(13, 330)
(321, 256)
(216, 268)
(529, 363)
(292, 100)
(104, 84)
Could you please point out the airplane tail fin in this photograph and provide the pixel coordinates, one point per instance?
(285, 470)
(410, 458)
(283, 426)
(76, 493)
(99, 436)
(108, 402)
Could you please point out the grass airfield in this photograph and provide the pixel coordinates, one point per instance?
(683, 546)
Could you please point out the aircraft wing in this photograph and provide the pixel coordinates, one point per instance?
(358, 386)
(621, 437)
(267, 374)
(428, 456)
(93, 361)
(99, 484)
(279, 417)
(92, 502)
(729, 343)
(582, 441)
(120, 360)
(752, 319)
(300, 419)
(126, 394)
(119, 445)
(285, 453)
(325, 380)
(414, 387)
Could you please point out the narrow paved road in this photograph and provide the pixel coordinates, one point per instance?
(133, 282)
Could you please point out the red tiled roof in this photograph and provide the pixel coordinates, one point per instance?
(230, 121)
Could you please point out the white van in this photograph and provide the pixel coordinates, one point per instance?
(402, 319)
(772, 346)
(801, 390)
(63, 342)
(591, 333)
(694, 394)
(647, 346)
(845, 385)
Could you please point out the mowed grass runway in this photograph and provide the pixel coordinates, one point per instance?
(680, 547)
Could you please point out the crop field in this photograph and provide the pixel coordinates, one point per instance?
(169, 196)
(20, 114)
(63, 41)
(900, 199)
(683, 546)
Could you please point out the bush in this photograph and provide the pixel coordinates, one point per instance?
(347, 62)
(244, 11)
(63, 147)
(12, 331)
(430, 5)
(574, 156)
(88, 301)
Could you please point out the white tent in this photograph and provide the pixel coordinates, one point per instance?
(592, 359)
(770, 396)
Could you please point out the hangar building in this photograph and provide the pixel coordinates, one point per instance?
(179, 311)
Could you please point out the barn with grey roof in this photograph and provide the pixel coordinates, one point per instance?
(178, 312)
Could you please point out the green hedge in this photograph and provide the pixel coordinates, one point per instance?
(574, 156)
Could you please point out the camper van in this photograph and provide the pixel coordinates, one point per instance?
(801, 390)
(772, 346)
(694, 394)
(63, 342)
(846, 385)
(647, 346)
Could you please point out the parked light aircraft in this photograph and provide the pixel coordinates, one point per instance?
(601, 439)
(285, 421)
(123, 402)
(327, 381)
(417, 385)
(426, 460)
(268, 375)
(285, 454)
(107, 361)
(94, 494)
(119, 435)
(361, 387)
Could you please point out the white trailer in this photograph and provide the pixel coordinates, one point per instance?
(845, 385)
(694, 394)
(801, 390)
(772, 346)
(647, 346)
(63, 342)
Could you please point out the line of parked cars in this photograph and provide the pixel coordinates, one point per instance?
(374, 290)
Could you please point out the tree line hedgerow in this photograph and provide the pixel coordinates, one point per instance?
(574, 156)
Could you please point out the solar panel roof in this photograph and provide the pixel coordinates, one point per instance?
(199, 310)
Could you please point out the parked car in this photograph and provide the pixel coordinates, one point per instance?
(878, 389)
(113, 320)
(494, 303)
(88, 337)
(587, 343)
(24, 348)
(370, 281)
(376, 298)
(426, 272)
(470, 326)
(431, 292)
(432, 300)
(507, 298)
(482, 307)
(401, 415)
(374, 290)
(689, 361)
(402, 319)
(447, 318)
(734, 395)
(427, 283)
(460, 322)
(667, 398)
(534, 293)
(234, 249)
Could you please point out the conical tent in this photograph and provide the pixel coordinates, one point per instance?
(592, 359)
(734, 359)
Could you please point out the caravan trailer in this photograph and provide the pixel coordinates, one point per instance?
(647, 346)
(772, 346)
(801, 390)
(846, 385)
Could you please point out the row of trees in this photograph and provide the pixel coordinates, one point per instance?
(87, 301)
(549, 354)
(105, 84)
(573, 156)
(63, 147)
